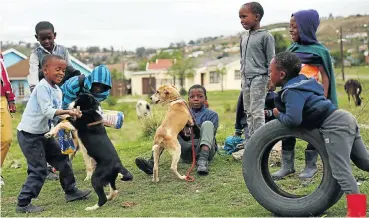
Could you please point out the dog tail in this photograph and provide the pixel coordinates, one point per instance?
(127, 176)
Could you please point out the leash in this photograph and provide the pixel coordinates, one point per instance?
(95, 123)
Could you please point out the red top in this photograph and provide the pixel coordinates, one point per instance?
(6, 87)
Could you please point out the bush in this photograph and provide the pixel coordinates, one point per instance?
(150, 124)
(229, 108)
(111, 101)
(183, 92)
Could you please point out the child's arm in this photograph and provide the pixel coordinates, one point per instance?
(70, 90)
(33, 71)
(294, 102)
(269, 48)
(325, 80)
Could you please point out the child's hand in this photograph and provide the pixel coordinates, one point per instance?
(75, 113)
(276, 112)
(12, 107)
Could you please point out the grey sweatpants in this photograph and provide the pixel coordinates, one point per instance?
(343, 141)
(254, 93)
(206, 138)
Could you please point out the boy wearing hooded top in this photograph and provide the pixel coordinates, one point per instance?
(257, 50)
(301, 102)
(315, 60)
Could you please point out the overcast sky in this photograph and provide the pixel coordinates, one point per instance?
(129, 24)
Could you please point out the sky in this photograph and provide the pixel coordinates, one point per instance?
(128, 24)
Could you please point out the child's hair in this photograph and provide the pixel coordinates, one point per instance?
(197, 86)
(46, 59)
(44, 25)
(289, 63)
(256, 8)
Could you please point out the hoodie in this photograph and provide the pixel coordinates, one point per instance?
(71, 87)
(257, 50)
(310, 51)
(6, 86)
(301, 102)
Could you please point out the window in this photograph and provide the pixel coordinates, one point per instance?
(237, 75)
(214, 77)
(21, 89)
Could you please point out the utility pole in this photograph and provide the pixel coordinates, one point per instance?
(342, 59)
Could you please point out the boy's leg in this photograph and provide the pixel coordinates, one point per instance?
(258, 92)
(359, 154)
(32, 147)
(339, 132)
(246, 103)
(288, 159)
(62, 163)
(207, 147)
(6, 128)
(186, 149)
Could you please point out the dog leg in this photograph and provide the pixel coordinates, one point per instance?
(99, 189)
(176, 155)
(156, 153)
(89, 162)
(113, 192)
(53, 132)
(96, 206)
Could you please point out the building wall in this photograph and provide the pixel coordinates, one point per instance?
(18, 86)
(11, 58)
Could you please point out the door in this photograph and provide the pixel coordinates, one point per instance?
(148, 85)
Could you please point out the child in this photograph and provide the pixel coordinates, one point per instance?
(207, 122)
(98, 83)
(45, 35)
(316, 59)
(43, 106)
(301, 102)
(257, 49)
(7, 107)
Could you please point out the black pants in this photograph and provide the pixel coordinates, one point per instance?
(38, 150)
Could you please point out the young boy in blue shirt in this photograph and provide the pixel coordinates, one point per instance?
(207, 123)
(301, 102)
(42, 108)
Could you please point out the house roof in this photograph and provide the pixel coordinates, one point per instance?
(12, 50)
(75, 60)
(19, 70)
(160, 64)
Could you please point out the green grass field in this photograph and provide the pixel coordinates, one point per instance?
(222, 193)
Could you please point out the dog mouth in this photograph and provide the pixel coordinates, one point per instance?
(156, 102)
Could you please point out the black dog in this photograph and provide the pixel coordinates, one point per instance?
(93, 135)
(353, 88)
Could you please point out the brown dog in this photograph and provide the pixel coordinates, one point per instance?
(177, 116)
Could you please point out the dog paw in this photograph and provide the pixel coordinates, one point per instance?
(182, 177)
(127, 177)
(155, 179)
(96, 206)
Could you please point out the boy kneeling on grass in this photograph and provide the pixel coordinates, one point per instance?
(301, 102)
(42, 108)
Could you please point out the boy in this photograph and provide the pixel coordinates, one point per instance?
(315, 60)
(98, 83)
(301, 102)
(257, 49)
(7, 107)
(207, 123)
(45, 35)
(43, 106)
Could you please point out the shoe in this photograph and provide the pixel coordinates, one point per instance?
(288, 165)
(145, 165)
(202, 166)
(30, 208)
(311, 157)
(77, 195)
(356, 205)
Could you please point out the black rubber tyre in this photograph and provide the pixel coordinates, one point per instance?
(260, 184)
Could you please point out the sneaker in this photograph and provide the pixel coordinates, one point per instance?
(77, 195)
(145, 165)
(202, 166)
(30, 208)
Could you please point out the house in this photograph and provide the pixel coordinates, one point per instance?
(207, 74)
(156, 74)
(17, 65)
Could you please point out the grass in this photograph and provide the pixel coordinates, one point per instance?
(222, 193)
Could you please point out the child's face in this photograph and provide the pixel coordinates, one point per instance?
(294, 31)
(248, 19)
(54, 70)
(196, 98)
(98, 88)
(276, 76)
(46, 38)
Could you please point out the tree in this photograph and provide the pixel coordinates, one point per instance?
(221, 71)
(140, 52)
(74, 49)
(93, 49)
(191, 42)
(183, 68)
(281, 44)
